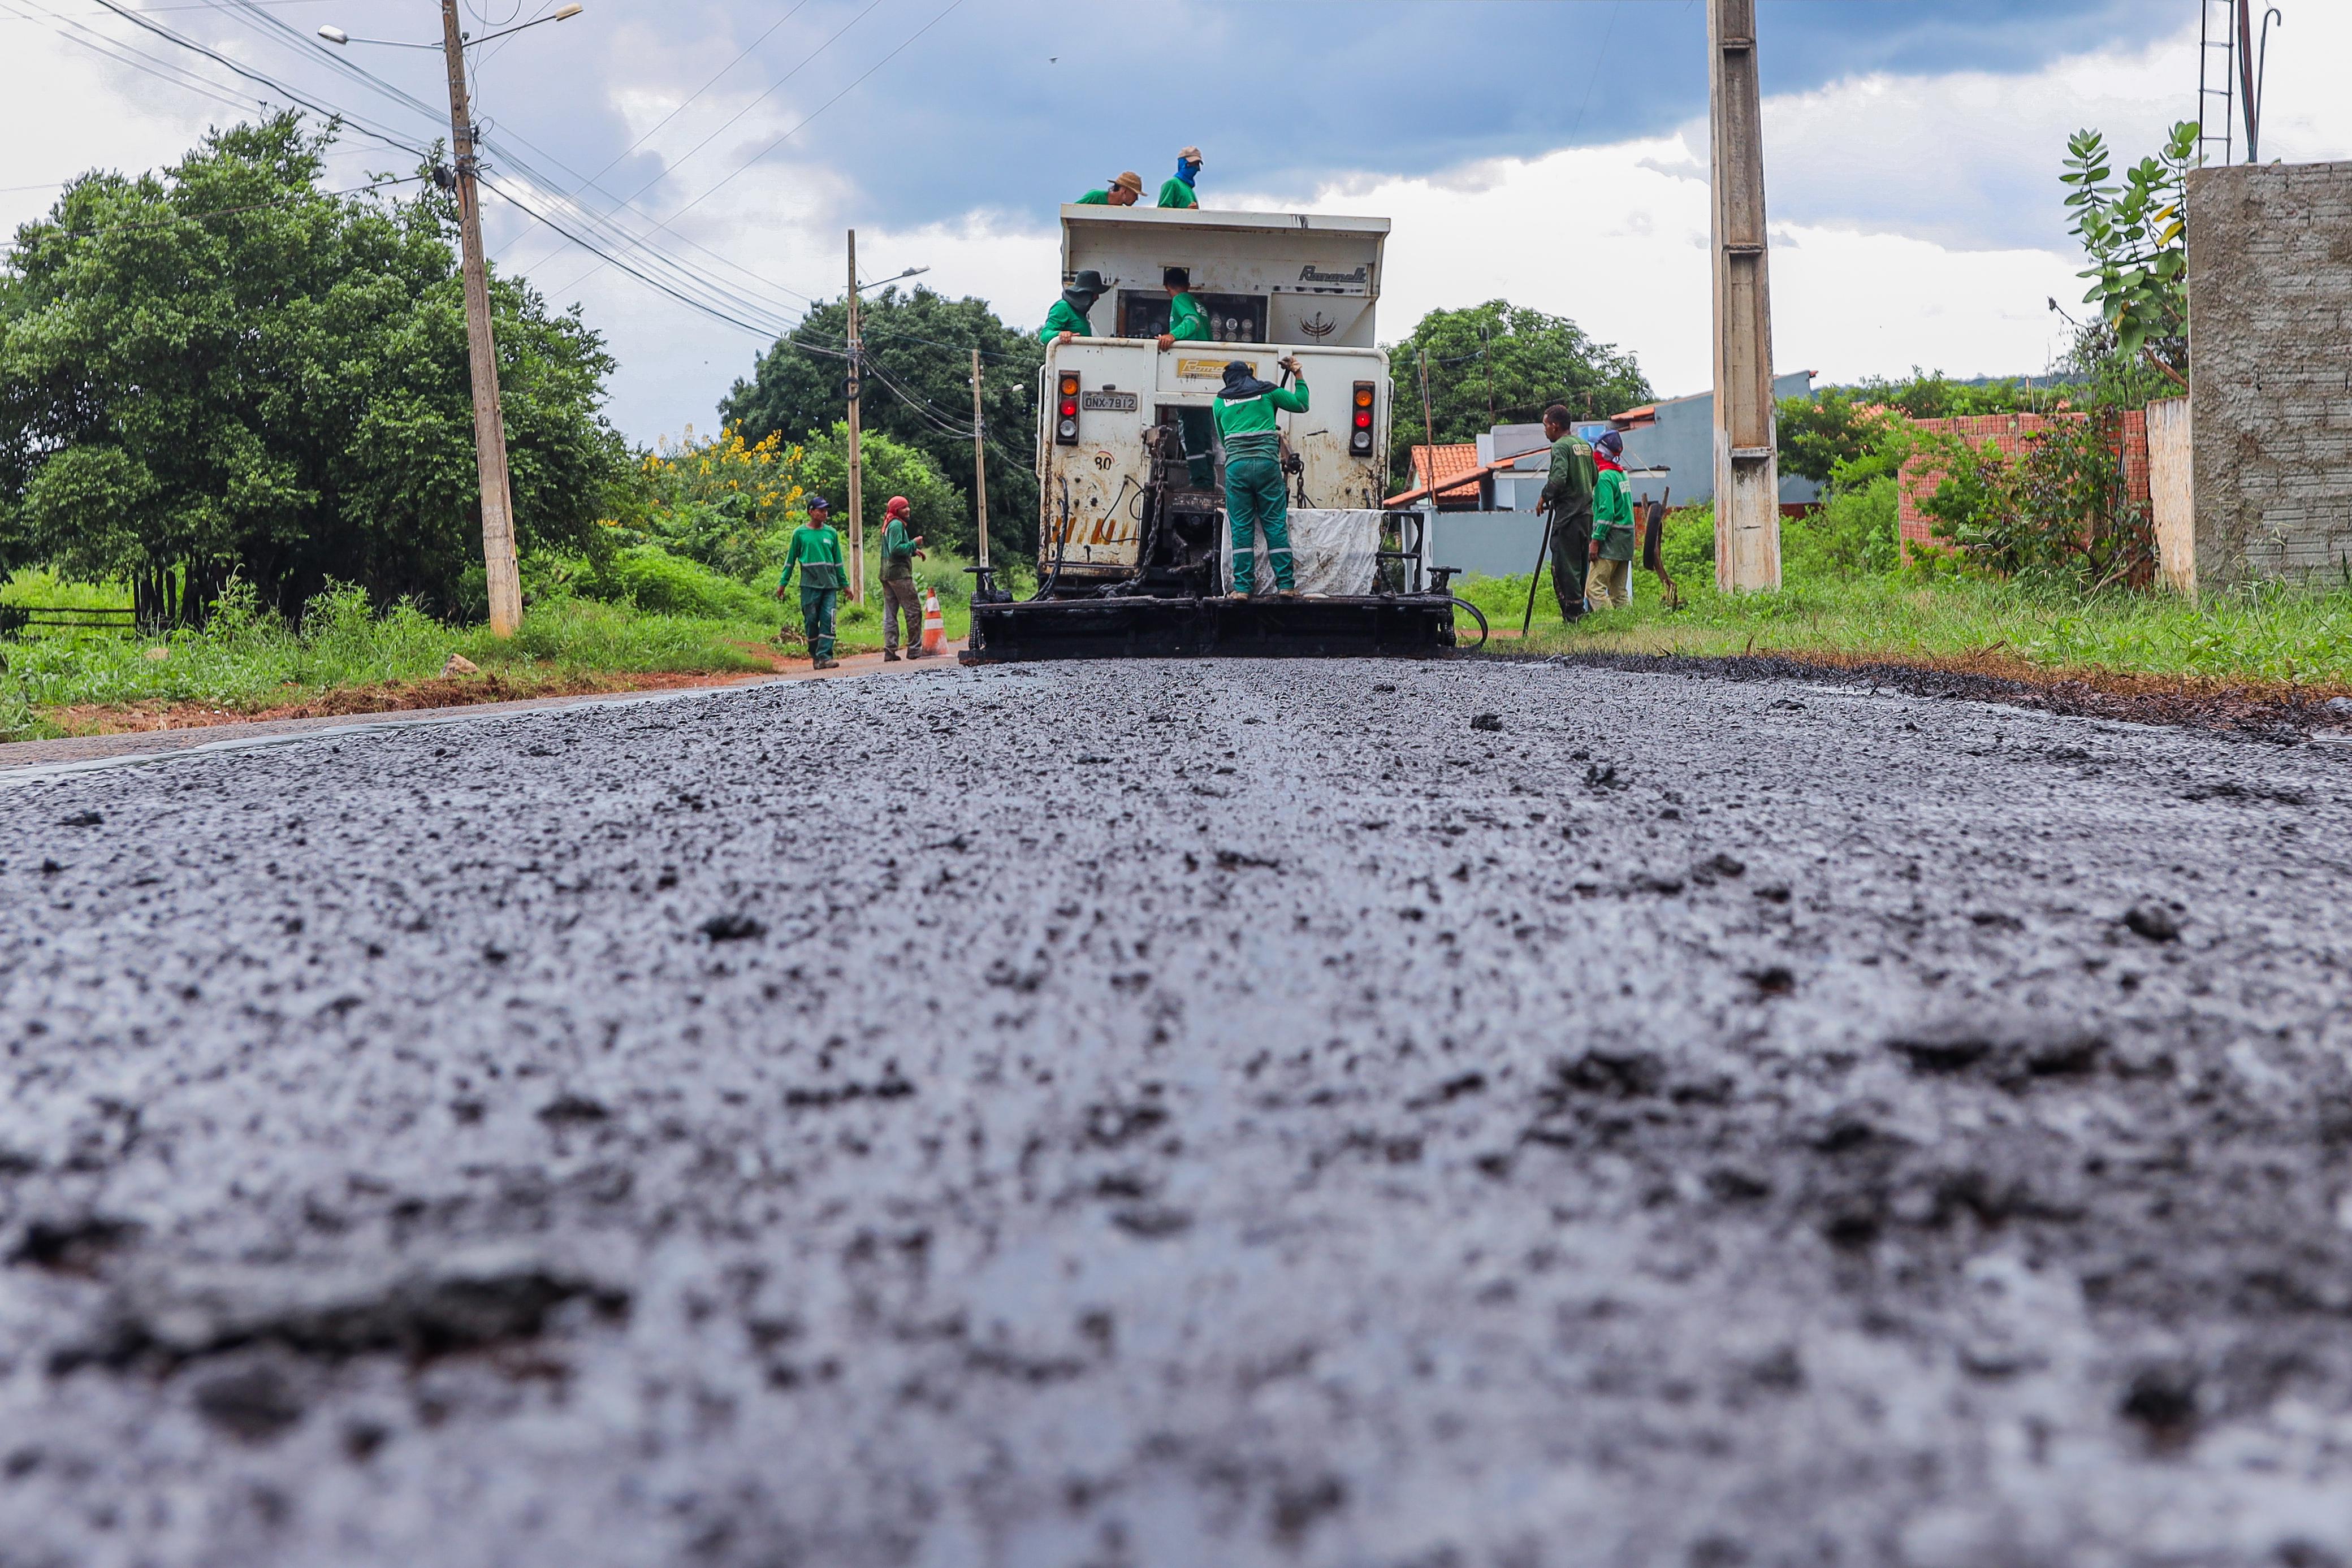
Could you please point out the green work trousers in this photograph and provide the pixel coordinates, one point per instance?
(1255, 498)
(816, 619)
(1198, 427)
(1571, 548)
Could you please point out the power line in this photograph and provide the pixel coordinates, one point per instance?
(279, 88)
(122, 54)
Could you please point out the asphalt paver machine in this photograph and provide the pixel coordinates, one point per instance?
(1133, 555)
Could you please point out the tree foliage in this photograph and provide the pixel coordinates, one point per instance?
(2134, 236)
(2058, 509)
(225, 371)
(1500, 363)
(916, 390)
(940, 508)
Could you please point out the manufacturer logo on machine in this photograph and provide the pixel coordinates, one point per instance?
(1207, 369)
(1318, 327)
(1311, 273)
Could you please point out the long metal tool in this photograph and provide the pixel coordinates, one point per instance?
(1543, 543)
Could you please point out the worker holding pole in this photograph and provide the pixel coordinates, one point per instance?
(1568, 496)
(1067, 319)
(1609, 580)
(1254, 495)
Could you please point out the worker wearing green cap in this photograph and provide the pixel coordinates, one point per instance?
(1067, 319)
(816, 551)
(1254, 496)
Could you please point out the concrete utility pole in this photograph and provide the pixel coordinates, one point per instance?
(1746, 434)
(979, 464)
(489, 424)
(856, 476)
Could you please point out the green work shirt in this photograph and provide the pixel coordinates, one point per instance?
(1569, 491)
(816, 550)
(1095, 199)
(1187, 322)
(1246, 424)
(897, 552)
(1061, 318)
(1177, 193)
(1612, 515)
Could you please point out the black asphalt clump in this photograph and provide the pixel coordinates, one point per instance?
(735, 927)
(82, 819)
(2153, 921)
(1490, 721)
(1415, 1153)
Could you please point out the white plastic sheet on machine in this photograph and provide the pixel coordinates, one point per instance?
(1331, 551)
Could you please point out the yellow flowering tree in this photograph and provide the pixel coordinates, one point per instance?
(722, 501)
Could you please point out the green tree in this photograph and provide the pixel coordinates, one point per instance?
(2135, 235)
(887, 466)
(917, 390)
(225, 371)
(1500, 363)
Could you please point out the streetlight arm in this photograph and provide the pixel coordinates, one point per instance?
(563, 15)
(337, 35)
(910, 272)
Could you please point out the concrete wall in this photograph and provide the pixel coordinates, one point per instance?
(2172, 493)
(1683, 441)
(1485, 544)
(2269, 328)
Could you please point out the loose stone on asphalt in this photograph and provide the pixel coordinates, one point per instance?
(1696, 1121)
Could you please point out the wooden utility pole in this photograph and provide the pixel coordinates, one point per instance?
(979, 465)
(1747, 465)
(489, 424)
(857, 474)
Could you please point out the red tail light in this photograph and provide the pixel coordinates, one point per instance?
(1065, 417)
(1360, 440)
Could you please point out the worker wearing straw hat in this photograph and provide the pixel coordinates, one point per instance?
(1123, 191)
(1177, 191)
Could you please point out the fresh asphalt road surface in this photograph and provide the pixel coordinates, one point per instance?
(1184, 1113)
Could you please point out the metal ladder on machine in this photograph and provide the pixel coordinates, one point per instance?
(2217, 62)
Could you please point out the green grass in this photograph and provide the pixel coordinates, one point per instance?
(2299, 635)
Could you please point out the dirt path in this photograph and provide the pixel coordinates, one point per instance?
(1443, 1114)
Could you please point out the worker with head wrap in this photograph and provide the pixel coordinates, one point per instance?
(1610, 579)
(1067, 319)
(1254, 497)
(1177, 191)
(1123, 191)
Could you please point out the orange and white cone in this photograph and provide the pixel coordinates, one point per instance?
(935, 624)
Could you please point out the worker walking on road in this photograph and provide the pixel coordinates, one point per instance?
(1610, 582)
(1067, 319)
(1123, 191)
(900, 549)
(1177, 191)
(1568, 496)
(816, 551)
(1254, 495)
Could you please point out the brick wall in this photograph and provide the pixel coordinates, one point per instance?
(2010, 432)
(2269, 338)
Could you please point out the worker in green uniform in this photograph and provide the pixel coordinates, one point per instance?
(1067, 319)
(901, 549)
(1123, 191)
(816, 550)
(1187, 322)
(1177, 191)
(1568, 496)
(1609, 581)
(1254, 496)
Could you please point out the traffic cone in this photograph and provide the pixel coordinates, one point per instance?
(935, 624)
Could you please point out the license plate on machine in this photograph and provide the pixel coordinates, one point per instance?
(1107, 402)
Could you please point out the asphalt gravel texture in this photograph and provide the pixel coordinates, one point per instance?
(1421, 1115)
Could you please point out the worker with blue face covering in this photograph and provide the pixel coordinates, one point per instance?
(1177, 191)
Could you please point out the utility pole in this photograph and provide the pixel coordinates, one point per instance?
(856, 476)
(1747, 461)
(979, 468)
(489, 424)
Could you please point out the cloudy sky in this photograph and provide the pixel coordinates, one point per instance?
(1550, 151)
